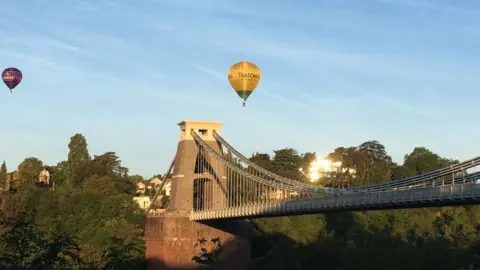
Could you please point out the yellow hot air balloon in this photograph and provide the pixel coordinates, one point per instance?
(244, 78)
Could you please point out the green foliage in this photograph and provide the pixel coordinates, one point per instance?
(287, 162)
(422, 160)
(208, 256)
(78, 157)
(99, 185)
(61, 175)
(92, 224)
(29, 169)
(137, 178)
(429, 238)
(3, 174)
(262, 160)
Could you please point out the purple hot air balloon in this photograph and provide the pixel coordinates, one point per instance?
(12, 77)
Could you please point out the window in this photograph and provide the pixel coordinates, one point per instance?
(203, 132)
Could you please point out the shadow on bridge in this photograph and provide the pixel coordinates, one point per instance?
(345, 243)
(172, 241)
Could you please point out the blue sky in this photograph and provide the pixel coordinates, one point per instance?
(335, 72)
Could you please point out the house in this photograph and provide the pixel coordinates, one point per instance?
(140, 188)
(152, 187)
(155, 181)
(143, 201)
(168, 188)
(146, 192)
(44, 177)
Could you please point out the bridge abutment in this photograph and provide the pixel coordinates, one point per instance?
(172, 238)
(172, 242)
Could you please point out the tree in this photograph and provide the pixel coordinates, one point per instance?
(376, 151)
(377, 163)
(99, 185)
(401, 172)
(93, 224)
(60, 175)
(78, 156)
(30, 169)
(369, 163)
(421, 160)
(208, 258)
(3, 174)
(262, 160)
(109, 163)
(305, 164)
(137, 178)
(287, 163)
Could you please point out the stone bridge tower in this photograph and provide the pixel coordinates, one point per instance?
(172, 237)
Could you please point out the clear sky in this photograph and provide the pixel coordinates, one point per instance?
(335, 72)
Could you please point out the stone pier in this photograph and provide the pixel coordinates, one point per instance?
(172, 238)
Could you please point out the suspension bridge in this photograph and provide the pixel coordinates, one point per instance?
(212, 181)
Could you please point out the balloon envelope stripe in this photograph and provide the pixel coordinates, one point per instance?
(244, 94)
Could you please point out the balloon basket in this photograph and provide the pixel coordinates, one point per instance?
(243, 104)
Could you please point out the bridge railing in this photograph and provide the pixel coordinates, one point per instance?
(425, 197)
(415, 180)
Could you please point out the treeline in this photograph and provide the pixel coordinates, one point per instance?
(87, 220)
(429, 238)
(368, 163)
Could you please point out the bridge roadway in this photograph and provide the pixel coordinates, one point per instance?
(461, 194)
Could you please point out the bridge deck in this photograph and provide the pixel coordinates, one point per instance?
(419, 197)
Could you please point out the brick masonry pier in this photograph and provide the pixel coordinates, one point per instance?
(171, 237)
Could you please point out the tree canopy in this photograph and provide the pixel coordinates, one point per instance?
(88, 221)
(426, 238)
